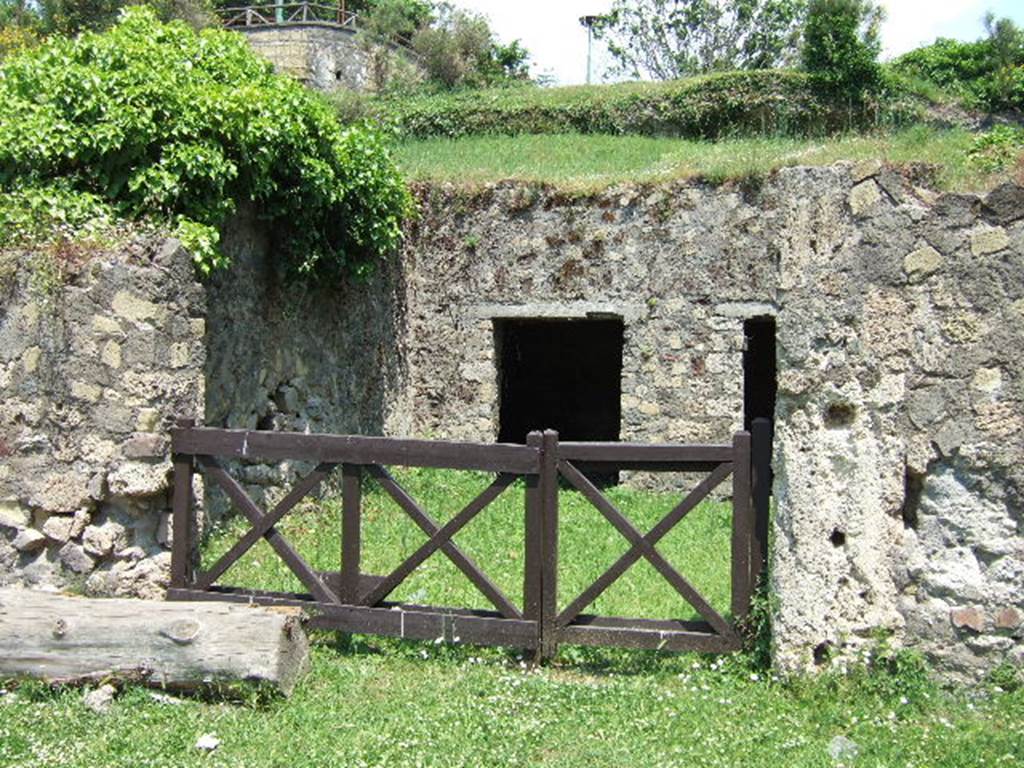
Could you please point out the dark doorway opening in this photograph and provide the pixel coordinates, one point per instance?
(760, 372)
(564, 375)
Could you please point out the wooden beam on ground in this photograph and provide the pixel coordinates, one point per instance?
(181, 646)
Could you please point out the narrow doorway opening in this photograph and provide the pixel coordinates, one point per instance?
(760, 384)
(564, 375)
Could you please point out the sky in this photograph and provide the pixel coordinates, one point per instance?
(551, 31)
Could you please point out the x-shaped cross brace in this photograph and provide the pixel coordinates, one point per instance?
(263, 527)
(643, 546)
(441, 538)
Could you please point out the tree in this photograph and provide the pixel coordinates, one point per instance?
(669, 39)
(1004, 89)
(383, 26)
(69, 17)
(19, 27)
(390, 21)
(153, 121)
(841, 47)
(459, 50)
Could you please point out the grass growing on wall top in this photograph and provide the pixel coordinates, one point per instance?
(379, 702)
(591, 162)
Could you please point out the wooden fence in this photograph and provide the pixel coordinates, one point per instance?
(281, 14)
(352, 601)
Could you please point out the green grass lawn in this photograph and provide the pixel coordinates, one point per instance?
(591, 162)
(380, 702)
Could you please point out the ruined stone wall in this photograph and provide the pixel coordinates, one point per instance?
(281, 355)
(321, 56)
(900, 427)
(98, 353)
(899, 422)
(682, 266)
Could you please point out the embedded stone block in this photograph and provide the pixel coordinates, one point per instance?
(146, 446)
(968, 618)
(864, 197)
(74, 558)
(102, 540)
(59, 527)
(134, 308)
(989, 240)
(14, 515)
(1009, 618)
(921, 263)
(135, 479)
(29, 540)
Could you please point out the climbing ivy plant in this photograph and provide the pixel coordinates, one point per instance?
(153, 120)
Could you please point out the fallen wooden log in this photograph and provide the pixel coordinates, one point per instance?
(181, 646)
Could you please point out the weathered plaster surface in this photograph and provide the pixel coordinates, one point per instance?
(321, 56)
(899, 420)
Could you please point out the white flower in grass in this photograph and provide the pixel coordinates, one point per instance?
(207, 742)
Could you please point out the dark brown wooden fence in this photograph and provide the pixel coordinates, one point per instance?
(352, 601)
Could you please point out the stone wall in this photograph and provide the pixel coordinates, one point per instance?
(682, 266)
(283, 356)
(899, 416)
(899, 420)
(322, 56)
(98, 353)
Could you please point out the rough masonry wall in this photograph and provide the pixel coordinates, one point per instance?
(281, 355)
(683, 266)
(99, 352)
(899, 422)
(321, 56)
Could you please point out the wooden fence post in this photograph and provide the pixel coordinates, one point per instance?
(181, 516)
(534, 555)
(351, 532)
(549, 541)
(761, 436)
(742, 527)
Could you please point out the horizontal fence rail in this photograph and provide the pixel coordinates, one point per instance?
(277, 14)
(353, 601)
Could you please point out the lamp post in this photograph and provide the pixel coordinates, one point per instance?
(589, 22)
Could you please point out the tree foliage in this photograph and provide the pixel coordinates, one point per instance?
(987, 73)
(458, 49)
(154, 120)
(395, 20)
(841, 47)
(69, 17)
(670, 39)
(451, 48)
(15, 38)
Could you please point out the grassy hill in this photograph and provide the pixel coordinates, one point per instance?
(587, 163)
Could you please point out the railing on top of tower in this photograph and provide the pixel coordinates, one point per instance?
(280, 14)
